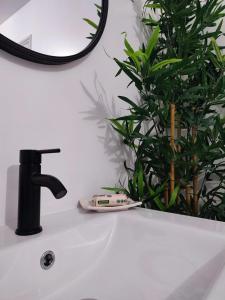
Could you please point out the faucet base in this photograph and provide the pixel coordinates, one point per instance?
(23, 232)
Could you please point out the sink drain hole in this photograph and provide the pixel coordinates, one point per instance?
(47, 260)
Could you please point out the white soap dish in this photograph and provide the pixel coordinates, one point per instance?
(88, 205)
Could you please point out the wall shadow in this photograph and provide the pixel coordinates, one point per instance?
(139, 28)
(12, 197)
(101, 111)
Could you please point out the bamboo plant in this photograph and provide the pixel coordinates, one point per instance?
(175, 130)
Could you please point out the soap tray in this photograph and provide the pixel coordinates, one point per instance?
(87, 205)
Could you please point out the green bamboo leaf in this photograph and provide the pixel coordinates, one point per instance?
(164, 63)
(134, 59)
(128, 46)
(151, 192)
(159, 203)
(140, 181)
(134, 78)
(122, 133)
(141, 56)
(119, 72)
(150, 21)
(117, 124)
(156, 198)
(134, 182)
(130, 117)
(130, 126)
(125, 99)
(173, 197)
(152, 42)
(98, 6)
(115, 189)
(91, 23)
(152, 6)
(217, 50)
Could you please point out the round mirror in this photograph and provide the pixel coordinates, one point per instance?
(51, 31)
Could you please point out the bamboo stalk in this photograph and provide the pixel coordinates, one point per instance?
(195, 177)
(172, 125)
(172, 177)
(172, 144)
(188, 195)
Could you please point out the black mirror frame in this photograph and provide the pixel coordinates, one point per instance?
(33, 56)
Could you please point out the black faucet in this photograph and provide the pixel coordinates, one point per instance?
(30, 182)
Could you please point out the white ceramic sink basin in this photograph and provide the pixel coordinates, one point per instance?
(133, 255)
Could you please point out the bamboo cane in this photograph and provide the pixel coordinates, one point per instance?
(172, 144)
(195, 177)
(188, 195)
(172, 177)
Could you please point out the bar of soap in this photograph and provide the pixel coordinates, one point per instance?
(109, 200)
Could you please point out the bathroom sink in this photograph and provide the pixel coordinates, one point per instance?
(132, 255)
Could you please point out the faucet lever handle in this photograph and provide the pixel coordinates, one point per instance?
(49, 151)
(34, 156)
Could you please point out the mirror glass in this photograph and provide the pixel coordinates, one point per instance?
(52, 27)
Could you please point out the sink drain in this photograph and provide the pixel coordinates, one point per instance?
(47, 260)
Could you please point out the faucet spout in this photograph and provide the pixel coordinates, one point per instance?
(52, 183)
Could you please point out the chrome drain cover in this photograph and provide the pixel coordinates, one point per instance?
(47, 260)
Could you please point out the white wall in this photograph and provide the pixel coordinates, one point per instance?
(66, 107)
